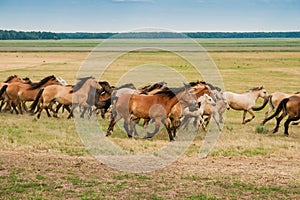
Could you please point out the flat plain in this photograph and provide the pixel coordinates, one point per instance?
(45, 158)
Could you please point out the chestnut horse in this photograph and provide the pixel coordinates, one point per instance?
(65, 95)
(155, 107)
(18, 93)
(246, 101)
(288, 106)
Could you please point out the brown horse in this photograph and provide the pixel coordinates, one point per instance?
(246, 101)
(4, 98)
(65, 95)
(155, 107)
(275, 98)
(19, 93)
(198, 88)
(288, 106)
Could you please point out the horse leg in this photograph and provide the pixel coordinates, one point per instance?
(114, 119)
(169, 130)
(252, 114)
(287, 122)
(244, 116)
(2, 104)
(157, 125)
(83, 112)
(127, 123)
(24, 106)
(217, 122)
(278, 120)
(14, 108)
(71, 112)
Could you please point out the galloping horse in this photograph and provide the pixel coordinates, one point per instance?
(66, 95)
(197, 114)
(216, 111)
(155, 107)
(18, 93)
(198, 88)
(289, 106)
(246, 101)
(275, 98)
(10, 79)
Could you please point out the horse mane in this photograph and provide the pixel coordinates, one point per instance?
(149, 88)
(192, 84)
(27, 79)
(10, 78)
(255, 89)
(80, 83)
(127, 85)
(42, 82)
(171, 92)
(104, 83)
(212, 87)
(297, 92)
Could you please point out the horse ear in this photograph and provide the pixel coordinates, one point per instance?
(262, 87)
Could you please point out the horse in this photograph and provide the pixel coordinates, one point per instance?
(11, 79)
(19, 93)
(246, 101)
(275, 98)
(288, 106)
(198, 88)
(197, 114)
(94, 96)
(66, 95)
(155, 107)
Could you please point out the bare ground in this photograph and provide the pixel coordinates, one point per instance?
(188, 177)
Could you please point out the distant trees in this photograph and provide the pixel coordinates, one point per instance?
(37, 35)
(32, 35)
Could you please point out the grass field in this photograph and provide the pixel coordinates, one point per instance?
(45, 158)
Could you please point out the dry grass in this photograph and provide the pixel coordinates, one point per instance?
(46, 159)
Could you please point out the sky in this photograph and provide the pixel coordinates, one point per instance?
(135, 15)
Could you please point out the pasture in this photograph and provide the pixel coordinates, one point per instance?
(45, 158)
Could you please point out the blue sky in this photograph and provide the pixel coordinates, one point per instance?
(128, 15)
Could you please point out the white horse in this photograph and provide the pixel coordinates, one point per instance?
(246, 101)
(197, 114)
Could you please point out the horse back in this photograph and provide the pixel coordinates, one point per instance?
(293, 106)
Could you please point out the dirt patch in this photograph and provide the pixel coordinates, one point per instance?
(214, 177)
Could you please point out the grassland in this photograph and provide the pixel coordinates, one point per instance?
(45, 159)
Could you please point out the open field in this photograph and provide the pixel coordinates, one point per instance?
(45, 159)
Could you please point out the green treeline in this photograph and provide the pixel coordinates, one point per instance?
(37, 35)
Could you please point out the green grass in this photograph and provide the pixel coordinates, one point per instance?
(68, 171)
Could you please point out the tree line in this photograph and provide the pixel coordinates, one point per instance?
(38, 35)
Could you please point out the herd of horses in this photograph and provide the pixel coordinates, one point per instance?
(155, 103)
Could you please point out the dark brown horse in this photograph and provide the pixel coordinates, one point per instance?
(155, 107)
(288, 106)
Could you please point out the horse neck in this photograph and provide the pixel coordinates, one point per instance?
(169, 102)
(254, 94)
(85, 88)
(202, 92)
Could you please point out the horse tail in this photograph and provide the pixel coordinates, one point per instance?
(271, 103)
(281, 106)
(3, 89)
(36, 100)
(266, 100)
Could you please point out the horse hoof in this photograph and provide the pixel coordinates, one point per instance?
(286, 134)
(130, 136)
(147, 136)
